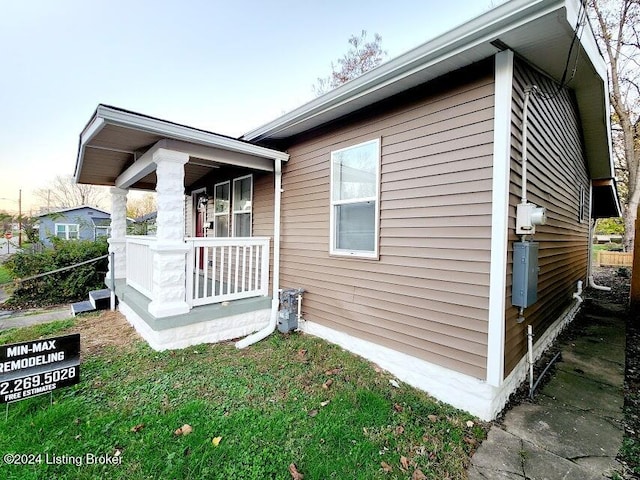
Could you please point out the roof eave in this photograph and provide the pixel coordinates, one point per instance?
(484, 28)
(107, 115)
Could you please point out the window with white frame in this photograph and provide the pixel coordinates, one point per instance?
(242, 208)
(355, 187)
(221, 201)
(102, 231)
(67, 231)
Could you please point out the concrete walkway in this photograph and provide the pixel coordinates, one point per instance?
(24, 318)
(572, 430)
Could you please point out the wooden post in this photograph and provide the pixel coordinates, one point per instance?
(635, 269)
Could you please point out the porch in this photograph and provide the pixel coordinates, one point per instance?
(217, 269)
(205, 276)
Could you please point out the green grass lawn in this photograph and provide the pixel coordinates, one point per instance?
(5, 276)
(271, 404)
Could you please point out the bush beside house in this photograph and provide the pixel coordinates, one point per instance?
(67, 286)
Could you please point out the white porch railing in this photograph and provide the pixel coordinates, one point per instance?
(140, 263)
(223, 269)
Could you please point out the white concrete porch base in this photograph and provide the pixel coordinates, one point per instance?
(462, 391)
(213, 331)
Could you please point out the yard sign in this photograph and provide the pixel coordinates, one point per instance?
(40, 366)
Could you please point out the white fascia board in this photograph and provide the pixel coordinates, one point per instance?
(591, 50)
(482, 29)
(587, 39)
(86, 136)
(188, 134)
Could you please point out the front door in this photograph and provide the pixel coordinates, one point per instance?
(200, 203)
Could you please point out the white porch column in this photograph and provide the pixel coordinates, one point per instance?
(117, 239)
(169, 260)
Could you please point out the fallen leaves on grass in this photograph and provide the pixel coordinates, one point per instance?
(470, 424)
(216, 441)
(313, 413)
(399, 430)
(433, 418)
(418, 475)
(295, 474)
(186, 429)
(470, 441)
(394, 383)
(386, 467)
(137, 428)
(327, 384)
(397, 407)
(325, 403)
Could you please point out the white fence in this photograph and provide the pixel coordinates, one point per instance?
(223, 269)
(140, 264)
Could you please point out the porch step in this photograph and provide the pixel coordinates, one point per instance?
(81, 307)
(100, 299)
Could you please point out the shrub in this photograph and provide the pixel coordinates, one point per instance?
(68, 286)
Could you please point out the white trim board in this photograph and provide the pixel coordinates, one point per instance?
(499, 216)
(462, 391)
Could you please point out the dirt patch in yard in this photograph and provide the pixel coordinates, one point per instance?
(104, 330)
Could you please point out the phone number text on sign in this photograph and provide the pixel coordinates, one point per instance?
(37, 384)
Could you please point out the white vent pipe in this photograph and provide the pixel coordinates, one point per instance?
(577, 294)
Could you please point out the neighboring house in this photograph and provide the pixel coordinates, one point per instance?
(144, 225)
(390, 200)
(76, 223)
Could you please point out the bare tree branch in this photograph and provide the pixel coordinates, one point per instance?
(63, 192)
(361, 57)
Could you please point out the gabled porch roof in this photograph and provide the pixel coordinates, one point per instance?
(115, 141)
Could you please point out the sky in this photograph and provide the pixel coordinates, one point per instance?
(222, 66)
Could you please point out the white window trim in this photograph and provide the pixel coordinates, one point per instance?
(107, 231)
(221, 214)
(243, 212)
(332, 204)
(581, 204)
(66, 230)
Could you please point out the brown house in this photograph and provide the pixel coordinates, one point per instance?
(391, 200)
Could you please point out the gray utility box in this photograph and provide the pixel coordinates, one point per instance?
(288, 314)
(524, 290)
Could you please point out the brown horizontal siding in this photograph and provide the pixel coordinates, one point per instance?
(555, 173)
(427, 295)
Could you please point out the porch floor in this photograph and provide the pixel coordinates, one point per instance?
(204, 313)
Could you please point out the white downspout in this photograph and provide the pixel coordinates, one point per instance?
(592, 284)
(275, 302)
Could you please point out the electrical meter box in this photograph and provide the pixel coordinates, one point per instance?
(288, 314)
(524, 290)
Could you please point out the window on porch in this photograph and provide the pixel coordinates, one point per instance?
(242, 195)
